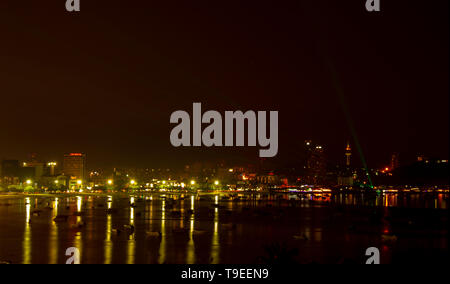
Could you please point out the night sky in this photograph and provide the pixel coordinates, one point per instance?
(105, 81)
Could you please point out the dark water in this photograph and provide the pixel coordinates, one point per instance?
(214, 229)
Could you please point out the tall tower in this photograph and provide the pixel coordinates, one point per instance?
(348, 154)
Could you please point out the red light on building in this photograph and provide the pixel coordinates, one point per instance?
(76, 154)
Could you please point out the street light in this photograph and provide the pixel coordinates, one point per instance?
(52, 166)
(192, 182)
(79, 182)
(132, 181)
(29, 181)
(216, 182)
(110, 182)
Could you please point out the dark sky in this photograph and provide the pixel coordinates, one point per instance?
(105, 81)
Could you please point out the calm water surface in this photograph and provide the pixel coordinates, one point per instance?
(212, 228)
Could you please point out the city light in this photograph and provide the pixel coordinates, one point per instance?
(29, 182)
(75, 154)
(79, 182)
(110, 182)
(133, 182)
(56, 181)
(192, 182)
(216, 182)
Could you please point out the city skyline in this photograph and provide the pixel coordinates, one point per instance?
(345, 155)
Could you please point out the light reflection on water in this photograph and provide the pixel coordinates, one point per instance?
(53, 235)
(162, 249)
(131, 240)
(190, 256)
(203, 232)
(27, 234)
(108, 241)
(78, 239)
(215, 250)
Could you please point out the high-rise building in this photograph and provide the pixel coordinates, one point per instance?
(74, 166)
(348, 155)
(395, 161)
(315, 163)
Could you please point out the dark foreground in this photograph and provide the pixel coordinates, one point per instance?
(204, 229)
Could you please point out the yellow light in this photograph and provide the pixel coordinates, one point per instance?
(192, 182)
(164, 182)
(56, 181)
(230, 170)
(216, 182)
(110, 181)
(132, 181)
(28, 181)
(79, 182)
(182, 184)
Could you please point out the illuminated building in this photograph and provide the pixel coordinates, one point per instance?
(315, 163)
(421, 158)
(348, 155)
(268, 179)
(346, 176)
(10, 172)
(74, 166)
